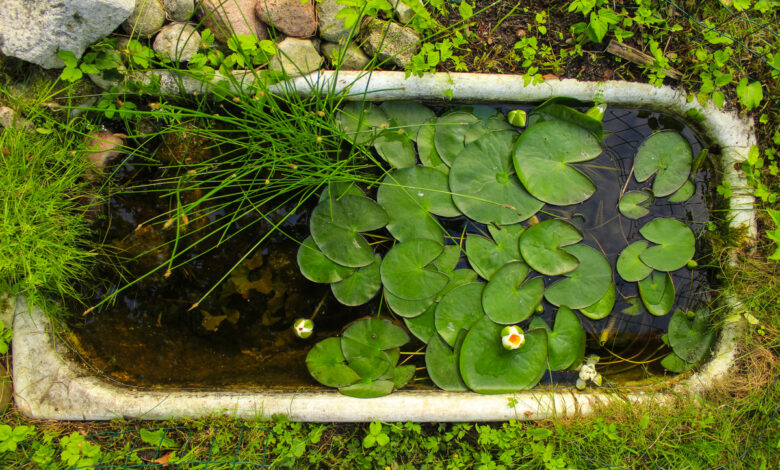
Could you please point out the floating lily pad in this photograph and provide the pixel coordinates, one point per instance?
(558, 111)
(486, 257)
(424, 326)
(565, 342)
(629, 266)
(316, 267)
(690, 339)
(427, 187)
(635, 204)
(407, 308)
(585, 285)
(361, 286)
(402, 375)
(667, 155)
(543, 156)
(327, 364)
(507, 238)
(603, 307)
(426, 148)
(635, 307)
(405, 273)
(442, 363)
(395, 148)
(508, 298)
(450, 133)
(542, 247)
(486, 367)
(407, 115)
(361, 121)
(335, 190)
(483, 183)
(494, 123)
(458, 310)
(364, 344)
(448, 259)
(684, 193)
(657, 293)
(373, 389)
(676, 244)
(674, 363)
(336, 226)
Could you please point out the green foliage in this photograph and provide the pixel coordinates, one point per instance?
(375, 436)
(5, 337)
(10, 437)
(77, 451)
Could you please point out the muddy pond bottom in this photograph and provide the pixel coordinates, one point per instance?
(240, 336)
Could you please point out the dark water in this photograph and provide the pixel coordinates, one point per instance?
(240, 335)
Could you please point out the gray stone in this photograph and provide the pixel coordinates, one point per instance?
(9, 118)
(291, 17)
(227, 17)
(296, 57)
(404, 12)
(177, 41)
(147, 18)
(390, 41)
(353, 59)
(35, 30)
(179, 10)
(331, 28)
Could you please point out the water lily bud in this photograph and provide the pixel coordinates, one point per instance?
(597, 112)
(303, 327)
(512, 337)
(516, 117)
(539, 309)
(692, 264)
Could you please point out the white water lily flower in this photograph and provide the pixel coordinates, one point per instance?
(588, 372)
(512, 337)
(303, 327)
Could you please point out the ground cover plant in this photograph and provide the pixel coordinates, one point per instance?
(725, 51)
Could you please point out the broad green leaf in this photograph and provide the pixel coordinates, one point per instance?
(674, 363)
(667, 155)
(326, 363)
(402, 375)
(407, 115)
(507, 238)
(542, 247)
(691, 339)
(336, 225)
(483, 184)
(450, 133)
(407, 308)
(635, 307)
(405, 273)
(448, 259)
(543, 156)
(483, 127)
(361, 286)
(508, 298)
(374, 389)
(423, 326)
(335, 190)
(395, 148)
(427, 187)
(565, 342)
(486, 367)
(426, 148)
(676, 244)
(657, 293)
(364, 343)
(441, 363)
(635, 204)
(684, 193)
(629, 266)
(750, 95)
(552, 111)
(585, 285)
(603, 307)
(361, 121)
(486, 257)
(316, 267)
(458, 310)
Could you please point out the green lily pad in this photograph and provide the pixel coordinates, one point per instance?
(442, 363)
(542, 247)
(543, 156)
(395, 148)
(404, 271)
(485, 257)
(373, 389)
(603, 307)
(448, 259)
(494, 123)
(676, 244)
(427, 187)
(565, 342)
(667, 155)
(690, 339)
(508, 298)
(426, 148)
(361, 286)
(458, 310)
(364, 343)
(424, 326)
(674, 363)
(557, 111)
(316, 267)
(657, 293)
(361, 121)
(407, 308)
(402, 375)
(450, 134)
(327, 364)
(407, 115)
(635, 307)
(486, 367)
(684, 193)
(507, 238)
(635, 204)
(629, 266)
(483, 183)
(336, 225)
(585, 285)
(339, 189)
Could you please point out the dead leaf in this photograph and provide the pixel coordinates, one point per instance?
(211, 322)
(164, 460)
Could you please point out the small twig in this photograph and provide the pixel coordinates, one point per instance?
(638, 57)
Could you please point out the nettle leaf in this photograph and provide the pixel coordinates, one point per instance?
(441, 363)
(327, 364)
(676, 244)
(408, 116)
(565, 342)
(684, 193)
(486, 367)
(361, 121)
(483, 184)
(336, 225)
(405, 273)
(668, 156)
(629, 266)
(585, 285)
(657, 293)
(543, 156)
(691, 338)
(396, 148)
(508, 298)
(361, 286)
(317, 267)
(450, 133)
(426, 147)
(542, 247)
(603, 307)
(635, 204)
(458, 310)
